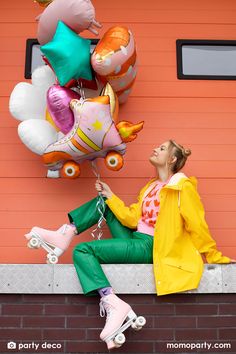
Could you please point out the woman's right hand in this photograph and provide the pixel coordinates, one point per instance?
(103, 188)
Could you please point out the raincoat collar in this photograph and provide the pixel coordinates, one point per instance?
(178, 179)
(176, 182)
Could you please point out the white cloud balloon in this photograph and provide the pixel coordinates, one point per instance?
(28, 101)
(43, 77)
(37, 134)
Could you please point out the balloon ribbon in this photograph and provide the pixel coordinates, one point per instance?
(100, 205)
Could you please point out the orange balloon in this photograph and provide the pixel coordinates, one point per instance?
(114, 61)
(112, 42)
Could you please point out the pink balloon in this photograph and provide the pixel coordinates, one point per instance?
(76, 14)
(58, 100)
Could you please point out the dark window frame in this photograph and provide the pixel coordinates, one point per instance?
(181, 42)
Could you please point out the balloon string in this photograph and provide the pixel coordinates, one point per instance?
(100, 205)
(81, 89)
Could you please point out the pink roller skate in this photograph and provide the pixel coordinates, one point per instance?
(54, 242)
(120, 316)
(94, 134)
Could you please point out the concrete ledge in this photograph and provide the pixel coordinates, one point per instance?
(125, 279)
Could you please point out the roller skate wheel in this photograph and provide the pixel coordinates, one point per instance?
(52, 259)
(70, 170)
(29, 245)
(140, 321)
(119, 339)
(34, 243)
(114, 161)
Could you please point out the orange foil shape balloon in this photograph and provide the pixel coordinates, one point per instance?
(114, 60)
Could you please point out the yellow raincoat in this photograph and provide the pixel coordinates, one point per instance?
(181, 234)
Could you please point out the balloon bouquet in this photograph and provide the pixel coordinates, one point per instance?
(60, 117)
(69, 112)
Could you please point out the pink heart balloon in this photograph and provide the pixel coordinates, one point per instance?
(58, 102)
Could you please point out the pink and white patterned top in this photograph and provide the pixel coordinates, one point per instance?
(150, 209)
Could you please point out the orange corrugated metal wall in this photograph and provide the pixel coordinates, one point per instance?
(200, 115)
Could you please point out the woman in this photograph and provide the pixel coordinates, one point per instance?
(165, 227)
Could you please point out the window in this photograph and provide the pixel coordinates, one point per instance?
(206, 59)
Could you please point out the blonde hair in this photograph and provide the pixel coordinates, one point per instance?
(181, 155)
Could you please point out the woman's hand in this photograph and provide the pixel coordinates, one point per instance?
(103, 188)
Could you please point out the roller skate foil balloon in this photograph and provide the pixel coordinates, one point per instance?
(94, 134)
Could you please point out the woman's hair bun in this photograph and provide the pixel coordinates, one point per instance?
(186, 152)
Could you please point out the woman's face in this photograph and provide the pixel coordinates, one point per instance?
(160, 155)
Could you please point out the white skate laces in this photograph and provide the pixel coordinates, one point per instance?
(105, 308)
(64, 228)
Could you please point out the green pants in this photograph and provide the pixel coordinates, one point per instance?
(126, 246)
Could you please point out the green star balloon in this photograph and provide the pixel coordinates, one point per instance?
(68, 54)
